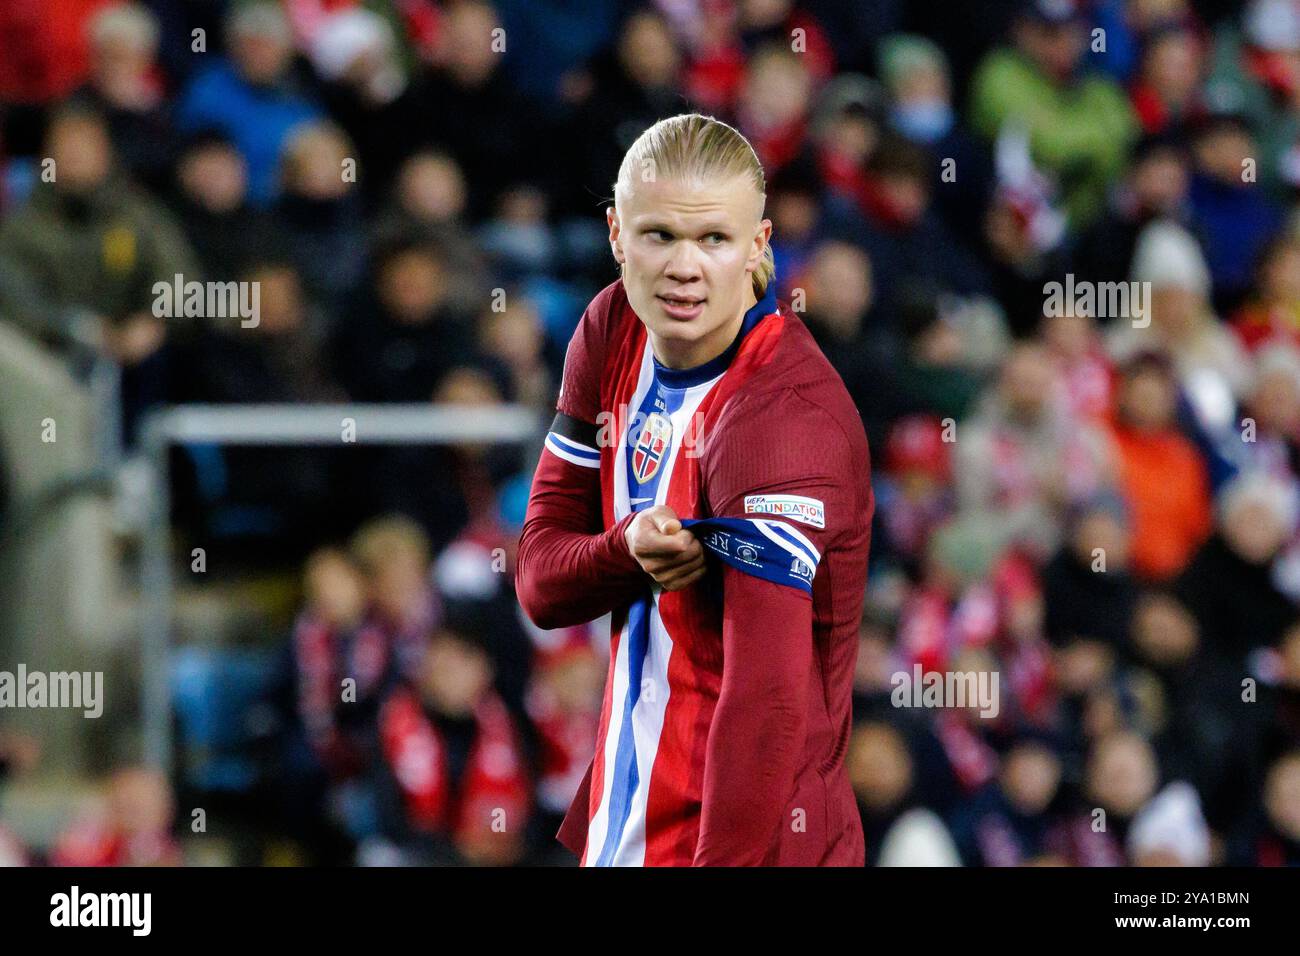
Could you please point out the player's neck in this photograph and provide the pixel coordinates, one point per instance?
(687, 355)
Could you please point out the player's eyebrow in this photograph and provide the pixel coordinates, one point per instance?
(706, 230)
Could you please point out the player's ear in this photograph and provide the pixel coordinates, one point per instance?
(761, 240)
(615, 234)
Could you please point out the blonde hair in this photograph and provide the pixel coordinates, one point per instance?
(307, 143)
(381, 540)
(697, 148)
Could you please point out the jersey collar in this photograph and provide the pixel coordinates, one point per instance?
(699, 374)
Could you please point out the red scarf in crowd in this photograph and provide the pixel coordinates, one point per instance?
(494, 778)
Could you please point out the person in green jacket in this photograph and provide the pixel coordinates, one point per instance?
(1079, 124)
(79, 259)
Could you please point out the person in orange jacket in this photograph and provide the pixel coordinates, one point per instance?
(1161, 474)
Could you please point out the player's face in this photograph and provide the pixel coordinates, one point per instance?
(688, 252)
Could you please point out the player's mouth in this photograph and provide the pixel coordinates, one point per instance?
(684, 307)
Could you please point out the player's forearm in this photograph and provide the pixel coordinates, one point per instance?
(567, 578)
(568, 574)
(756, 738)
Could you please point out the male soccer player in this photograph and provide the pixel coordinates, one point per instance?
(697, 418)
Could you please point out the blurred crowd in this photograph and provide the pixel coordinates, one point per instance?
(1100, 505)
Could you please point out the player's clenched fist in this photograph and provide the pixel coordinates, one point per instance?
(665, 550)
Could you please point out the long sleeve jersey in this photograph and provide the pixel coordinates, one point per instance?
(727, 707)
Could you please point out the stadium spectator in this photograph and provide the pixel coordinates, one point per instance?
(564, 705)
(1121, 778)
(1088, 588)
(846, 130)
(1167, 93)
(317, 210)
(1079, 123)
(1022, 233)
(1077, 350)
(1170, 830)
(773, 106)
(1179, 321)
(518, 238)
(918, 838)
(838, 287)
(278, 359)
(1254, 74)
(469, 82)
(128, 825)
(396, 343)
(1273, 310)
(266, 493)
(1194, 691)
(1274, 410)
(1236, 218)
(761, 21)
(403, 608)
(327, 731)
(797, 206)
(1154, 186)
(880, 769)
(904, 232)
(514, 337)
(466, 475)
(453, 783)
(1256, 515)
(126, 87)
(638, 81)
(82, 258)
(1161, 474)
(254, 97)
(333, 606)
(933, 372)
(369, 92)
(83, 253)
(715, 67)
(555, 36)
(1022, 459)
(429, 199)
(211, 202)
(1008, 823)
(915, 72)
(1275, 839)
(914, 491)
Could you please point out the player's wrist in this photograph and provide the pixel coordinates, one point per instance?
(620, 549)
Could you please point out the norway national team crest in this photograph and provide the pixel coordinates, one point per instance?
(651, 446)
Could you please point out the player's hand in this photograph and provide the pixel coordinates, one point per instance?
(665, 550)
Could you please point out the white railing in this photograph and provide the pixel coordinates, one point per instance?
(271, 425)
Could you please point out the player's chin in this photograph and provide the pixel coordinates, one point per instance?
(676, 329)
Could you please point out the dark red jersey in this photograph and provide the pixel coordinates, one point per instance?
(727, 708)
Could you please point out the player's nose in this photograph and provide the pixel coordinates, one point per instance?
(684, 264)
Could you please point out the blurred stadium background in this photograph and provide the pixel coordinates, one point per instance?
(932, 166)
